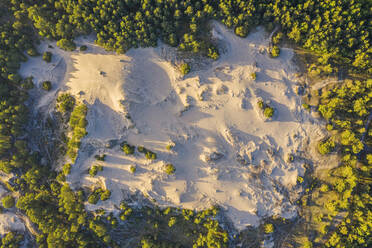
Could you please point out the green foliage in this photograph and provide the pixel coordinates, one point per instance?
(241, 31)
(268, 228)
(77, 124)
(327, 146)
(100, 157)
(28, 83)
(105, 195)
(133, 169)
(253, 75)
(47, 85)
(169, 169)
(83, 48)
(274, 51)
(213, 53)
(95, 169)
(150, 155)
(32, 52)
(128, 149)
(268, 112)
(66, 44)
(65, 102)
(8, 201)
(66, 169)
(11, 240)
(47, 57)
(185, 68)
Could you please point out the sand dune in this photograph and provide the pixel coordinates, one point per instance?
(225, 151)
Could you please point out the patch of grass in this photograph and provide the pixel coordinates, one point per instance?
(77, 124)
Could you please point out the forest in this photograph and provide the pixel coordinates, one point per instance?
(336, 31)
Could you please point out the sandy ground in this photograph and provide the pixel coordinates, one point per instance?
(225, 152)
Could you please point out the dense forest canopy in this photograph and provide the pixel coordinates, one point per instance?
(338, 31)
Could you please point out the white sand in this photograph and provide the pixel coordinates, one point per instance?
(221, 117)
(10, 222)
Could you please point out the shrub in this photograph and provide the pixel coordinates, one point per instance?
(100, 157)
(105, 195)
(65, 102)
(268, 228)
(268, 112)
(150, 155)
(67, 45)
(172, 221)
(47, 57)
(8, 201)
(66, 169)
(261, 104)
(83, 48)
(169, 169)
(133, 168)
(241, 31)
(277, 38)
(28, 83)
(326, 147)
(169, 147)
(141, 149)
(95, 169)
(306, 106)
(128, 149)
(32, 52)
(93, 198)
(275, 51)
(47, 85)
(185, 68)
(253, 75)
(213, 53)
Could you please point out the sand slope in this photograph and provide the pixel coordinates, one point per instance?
(225, 152)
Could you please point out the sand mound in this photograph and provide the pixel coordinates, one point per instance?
(225, 152)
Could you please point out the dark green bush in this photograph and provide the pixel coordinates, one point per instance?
(8, 201)
(47, 57)
(47, 85)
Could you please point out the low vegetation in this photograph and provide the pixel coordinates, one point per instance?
(185, 68)
(83, 48)
(8, 201)
(169, 169)
(77, 125)
(46, 85)
(65, 102)
(47, 57)
(268, 111)
(95, 169)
